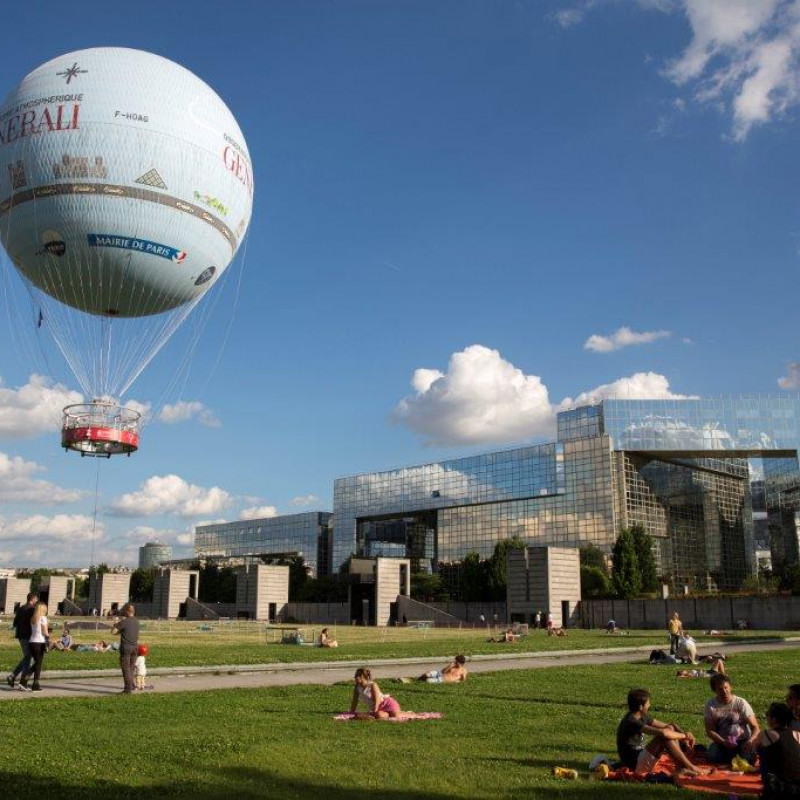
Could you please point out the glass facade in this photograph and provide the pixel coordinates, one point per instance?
(678, 467)
(307, 535)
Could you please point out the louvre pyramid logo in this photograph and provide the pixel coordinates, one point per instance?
(152, 178)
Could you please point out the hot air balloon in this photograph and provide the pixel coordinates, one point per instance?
(126, 189)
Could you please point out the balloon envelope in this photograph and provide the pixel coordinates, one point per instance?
(125, 190)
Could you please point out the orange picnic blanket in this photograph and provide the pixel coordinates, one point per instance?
(721, 781)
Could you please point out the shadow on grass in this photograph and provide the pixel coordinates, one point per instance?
(250, 783)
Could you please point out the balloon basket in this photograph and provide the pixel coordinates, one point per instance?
(100, 429)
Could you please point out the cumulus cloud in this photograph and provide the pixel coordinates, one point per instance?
(37, 530)
(641, 386)
(258, 512)
(304, 500)
(622, 337)
(484, 399)
(18, 484)
(792, 378)
(170, 494)
(34, 408)
(185, 410)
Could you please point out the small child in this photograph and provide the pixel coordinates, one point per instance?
(140, 666)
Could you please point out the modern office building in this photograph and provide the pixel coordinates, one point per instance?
(307, 535)
(680, 468)
(153, 554)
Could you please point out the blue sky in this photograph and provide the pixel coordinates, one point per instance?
(458, 207)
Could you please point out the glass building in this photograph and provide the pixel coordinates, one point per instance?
(681, 468)
(307, 535)
(153, 554)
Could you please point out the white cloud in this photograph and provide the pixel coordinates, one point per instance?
(143, 408)
(792, 378)
(744, 55)
(39, 530)
(484, 399)
(34, 408)
(170, 494)
(622, 337)
(481, 398)
(304, 500)
(258, 512)
(641, 386)
(17, 484)
(185, 410)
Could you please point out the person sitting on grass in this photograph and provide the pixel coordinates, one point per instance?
(325, 640)
(793, 701)
(667, 737)
(64, 643)
(455, 672)
(552, 631)
(717, 668)
(779, 754)
(506, 636)
(380, 705)
(730, 724)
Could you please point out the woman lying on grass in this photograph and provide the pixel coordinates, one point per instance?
(380, 705)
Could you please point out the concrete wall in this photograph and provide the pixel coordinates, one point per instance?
(13, 591)
(389, 583)
(471, 612)
(328, 613)
(197, 611)
(409, 610)
(59, 588)
(697, 614)
(258, 585)
(171, 587)
(107, 589)
(541, 579)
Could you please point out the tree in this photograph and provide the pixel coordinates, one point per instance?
(36, 577)
(426, 585)
(142, 581)
(625, 571)
(594, 582)
(496, 568)
(643, 543)
(593, 556)
(473, 577)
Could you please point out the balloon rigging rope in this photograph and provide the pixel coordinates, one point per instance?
(94, 516)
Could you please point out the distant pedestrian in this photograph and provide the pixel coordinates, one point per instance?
(127, 629)
(40, 633)
(22, 632)
(675, 627)
(537, 619)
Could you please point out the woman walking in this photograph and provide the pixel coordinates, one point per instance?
(40, 633)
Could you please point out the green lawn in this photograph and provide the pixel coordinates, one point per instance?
(500, 735)
(192, 644)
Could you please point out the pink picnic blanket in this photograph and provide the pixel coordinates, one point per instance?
(405, 716)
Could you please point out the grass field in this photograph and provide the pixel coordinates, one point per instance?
(183, 644)
(499, 737)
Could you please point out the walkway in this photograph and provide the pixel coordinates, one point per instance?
(99, 683)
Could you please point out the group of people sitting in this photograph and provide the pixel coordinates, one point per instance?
(65, 643)
(733, 732)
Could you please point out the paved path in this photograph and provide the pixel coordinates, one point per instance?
(102, 683)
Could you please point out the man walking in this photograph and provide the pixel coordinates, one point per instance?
(22, 632)
(128, 630)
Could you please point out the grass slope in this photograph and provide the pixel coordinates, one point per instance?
(500, 735)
